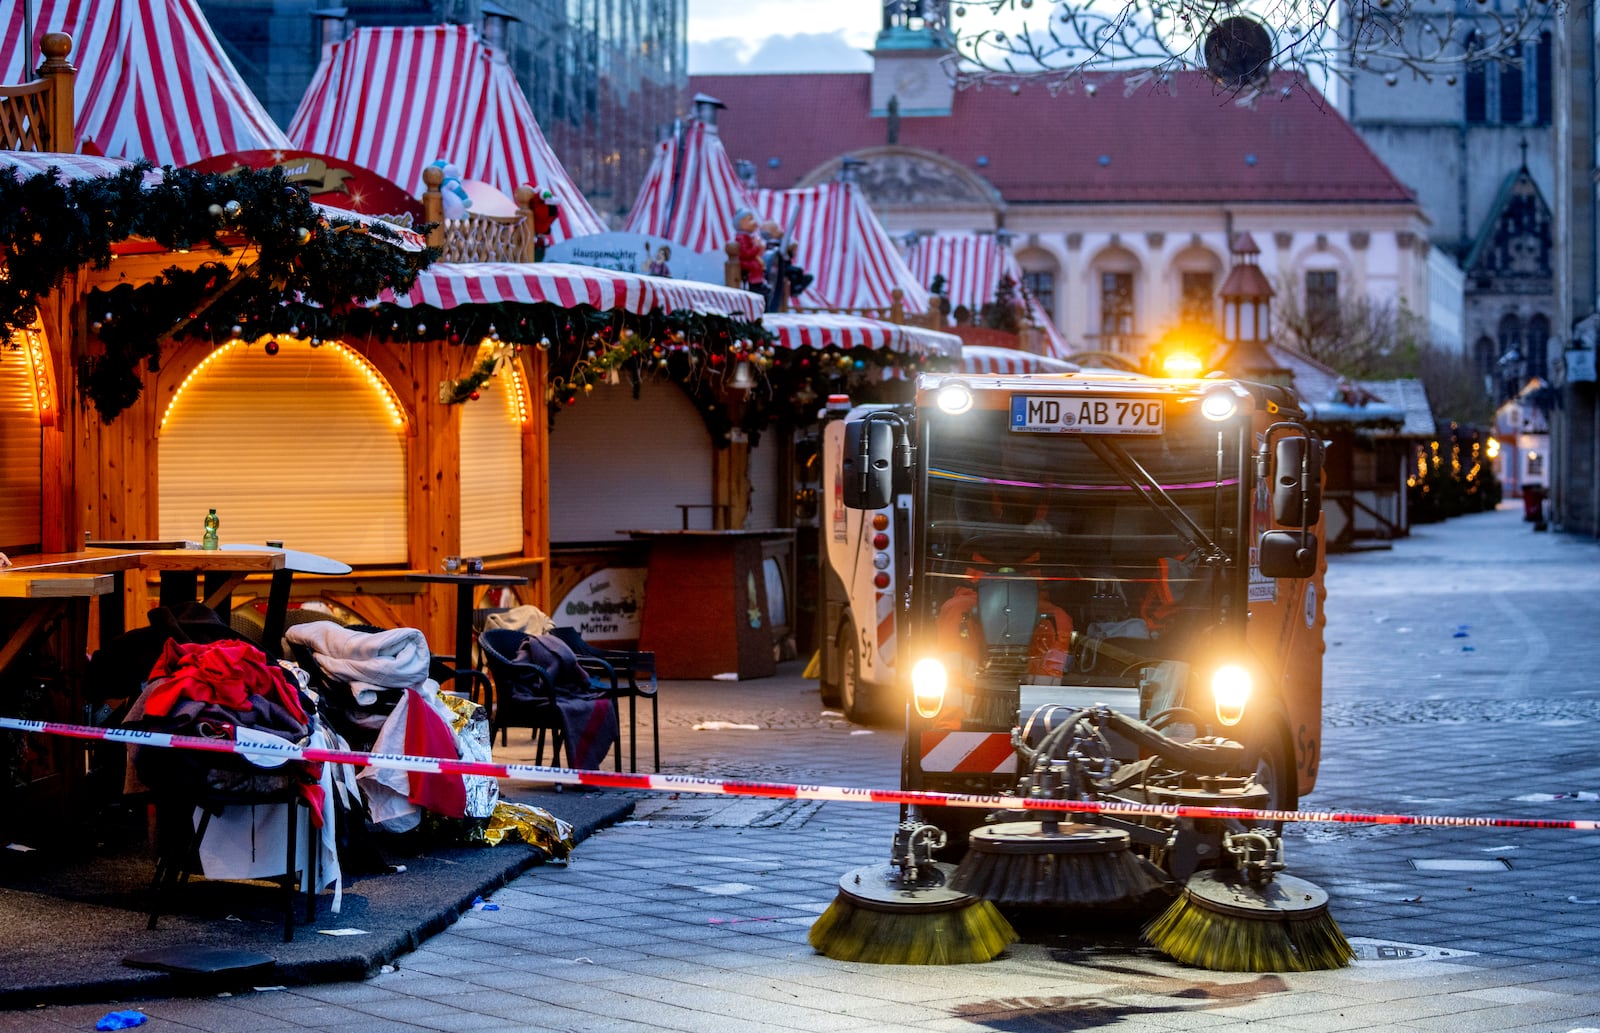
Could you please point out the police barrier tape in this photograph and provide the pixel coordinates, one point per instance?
(279, 751)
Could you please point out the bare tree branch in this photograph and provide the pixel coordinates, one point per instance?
(1057, 42)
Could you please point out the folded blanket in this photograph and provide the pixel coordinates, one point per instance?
(367, 661)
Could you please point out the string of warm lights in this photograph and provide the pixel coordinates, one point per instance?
(39, 369)
(358, 362)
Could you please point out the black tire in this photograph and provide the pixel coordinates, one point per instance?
(1275, 772)
(830, 689)
(856, 702)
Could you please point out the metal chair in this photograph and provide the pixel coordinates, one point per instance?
(529, 695)
(178, 839)
(636, 679)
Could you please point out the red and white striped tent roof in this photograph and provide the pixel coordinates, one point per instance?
(844, 246)
(830, 330)
(972, 264)
(984, 359)
(68, 167)
(448, 285)
(153, 82)
(395, 99)
(691, 193)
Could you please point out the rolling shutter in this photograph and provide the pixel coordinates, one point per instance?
(618, 463)
(299, 447)
(21, 440)
(491, 471)
(765, 491)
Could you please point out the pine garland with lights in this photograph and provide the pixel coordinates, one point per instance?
(50, 228)
(306, 271)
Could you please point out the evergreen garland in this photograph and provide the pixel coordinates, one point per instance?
(49, 228)
(306, 269)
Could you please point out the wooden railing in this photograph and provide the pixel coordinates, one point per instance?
(37, 116)
(478, 238)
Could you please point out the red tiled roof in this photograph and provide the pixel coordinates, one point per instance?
(1183, 141)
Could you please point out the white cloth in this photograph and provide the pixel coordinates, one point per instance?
(249, 842)
(367, 661)
(528, 619)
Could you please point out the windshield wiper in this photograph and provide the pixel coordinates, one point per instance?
(1154, 495)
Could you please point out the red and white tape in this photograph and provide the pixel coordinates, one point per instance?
(276, 753)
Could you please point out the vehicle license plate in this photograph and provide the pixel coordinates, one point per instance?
(1097, 414)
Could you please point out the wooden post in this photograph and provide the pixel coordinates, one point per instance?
(732, 275)
(60, 132)
(433, 204)
(897, 307)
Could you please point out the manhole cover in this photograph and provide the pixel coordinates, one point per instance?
(1390, 950)
(1461, 864)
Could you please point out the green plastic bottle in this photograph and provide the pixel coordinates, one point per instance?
(209, 540)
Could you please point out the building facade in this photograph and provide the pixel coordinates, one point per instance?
(1476, 145)
(1574, 431)
(603, 76)
(1119, 197)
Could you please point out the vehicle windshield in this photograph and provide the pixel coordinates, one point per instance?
(1048, 526)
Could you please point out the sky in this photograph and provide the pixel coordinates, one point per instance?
(781, 35)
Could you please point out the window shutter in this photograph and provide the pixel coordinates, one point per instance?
(618, 463)
(21, 455)
(491, 471)
(299, 447)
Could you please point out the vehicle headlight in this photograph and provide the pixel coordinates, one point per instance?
(928, 682)
(1230, 688)
(1219, 404)
(954, 398)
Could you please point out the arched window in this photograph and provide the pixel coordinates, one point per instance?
(1510, 337)
(1511, 72)
(1039, 277)
(1477, 83)
(1542, 96)
(1536, 346)
(1115, 275)
(1483, 356)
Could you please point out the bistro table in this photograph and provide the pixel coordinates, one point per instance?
(224, 569)
(467, 585)
(294, 562)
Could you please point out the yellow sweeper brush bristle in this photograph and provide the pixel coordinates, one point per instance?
(1225, 923)
(880, 919)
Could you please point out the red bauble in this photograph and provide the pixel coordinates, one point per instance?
(473, 396)
(272, 347)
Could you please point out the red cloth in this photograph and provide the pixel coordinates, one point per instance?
(225, 673)
(427, 735)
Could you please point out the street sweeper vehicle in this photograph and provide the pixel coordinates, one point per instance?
(1104, 587)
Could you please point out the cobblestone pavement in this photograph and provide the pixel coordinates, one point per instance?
(1460, 680)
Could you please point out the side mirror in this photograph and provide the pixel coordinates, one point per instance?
(868, 463)
(1288, 554)
(1297, 501)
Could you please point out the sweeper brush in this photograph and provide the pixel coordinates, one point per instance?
(1053, 865)
(905, 913)
(1225, 923)
(1251, 919)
